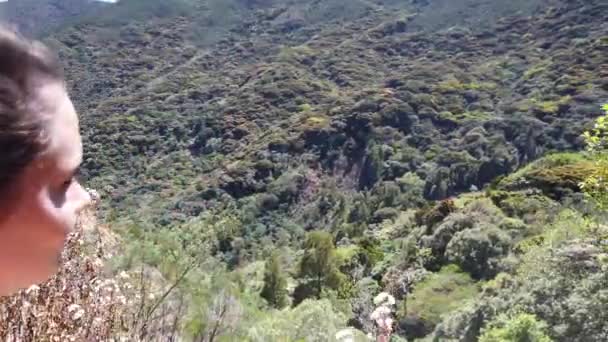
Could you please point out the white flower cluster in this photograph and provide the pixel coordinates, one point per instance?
(383, 315)
(384, 299)
(95, 197)
(76, 311)
(345, 335)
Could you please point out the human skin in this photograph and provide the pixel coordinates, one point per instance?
(40, 208)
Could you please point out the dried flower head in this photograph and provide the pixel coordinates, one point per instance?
(384, 298)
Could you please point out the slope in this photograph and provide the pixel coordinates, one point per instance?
(365, 100)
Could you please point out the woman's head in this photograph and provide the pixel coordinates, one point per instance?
(40, 151)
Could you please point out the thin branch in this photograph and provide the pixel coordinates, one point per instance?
(168, 292)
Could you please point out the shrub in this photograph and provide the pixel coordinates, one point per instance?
(552, 106)
(429, 217)
(275, 283)
(359, 211)
(520, 328)
(386, 194)
(594, 184)
(412, 190)
(288, 186)
(552, 174)
(268, 201)
(560, 278)
(385, 214)
(521, 203)
(437, 242)
(479, 251)
(319, 264)
(311, 321)
(438, 295)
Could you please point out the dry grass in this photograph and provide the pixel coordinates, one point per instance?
(83, 302)
(78, 304)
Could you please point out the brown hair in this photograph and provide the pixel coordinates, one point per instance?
(23, 65)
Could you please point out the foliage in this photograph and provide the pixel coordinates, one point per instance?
(595, 185)
(432, 215)
(438, 295)
(552, 106)
(166, 141)
(525, 204)
(520, 328)
(275, 283)
(310, 321)
(476, 237)
(412, 189)
(452, 85)
(333, 120)
(319, 264)
(479, 251)
(557, 277)
(554, 174)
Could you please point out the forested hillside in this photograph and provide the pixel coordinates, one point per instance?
(293, 159)
(340, 93)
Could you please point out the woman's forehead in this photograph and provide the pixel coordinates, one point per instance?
(65, 145)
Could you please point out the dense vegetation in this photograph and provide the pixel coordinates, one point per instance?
(280, 163)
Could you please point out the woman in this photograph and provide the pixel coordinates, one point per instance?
(40, 151)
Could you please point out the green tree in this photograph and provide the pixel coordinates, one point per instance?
(596, 185)
(319, 263)
(520, 328)
(275, 283)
